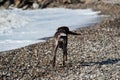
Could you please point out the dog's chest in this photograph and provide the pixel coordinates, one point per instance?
(62, 37)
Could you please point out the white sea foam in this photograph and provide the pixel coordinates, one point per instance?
(11, 20)
(19, 28)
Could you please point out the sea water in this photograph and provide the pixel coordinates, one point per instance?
(19, 28)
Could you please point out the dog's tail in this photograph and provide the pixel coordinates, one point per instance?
(73, 33)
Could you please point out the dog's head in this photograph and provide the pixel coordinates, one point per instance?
(65, 29)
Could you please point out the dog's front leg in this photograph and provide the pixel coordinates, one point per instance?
(64, 48)
(54, 54)
(64, 55)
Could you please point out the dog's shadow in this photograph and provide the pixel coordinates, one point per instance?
(105, 62)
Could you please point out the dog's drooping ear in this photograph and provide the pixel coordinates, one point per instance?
(61, 40)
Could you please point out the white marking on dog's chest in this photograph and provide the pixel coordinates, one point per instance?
(63, 34)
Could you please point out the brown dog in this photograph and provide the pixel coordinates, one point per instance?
(61, 40)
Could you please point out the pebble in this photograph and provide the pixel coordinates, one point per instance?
(94, 55)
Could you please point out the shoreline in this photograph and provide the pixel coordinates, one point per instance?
(93, 55)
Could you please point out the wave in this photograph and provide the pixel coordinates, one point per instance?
(10, 20)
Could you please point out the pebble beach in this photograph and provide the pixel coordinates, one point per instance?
(94, 55)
